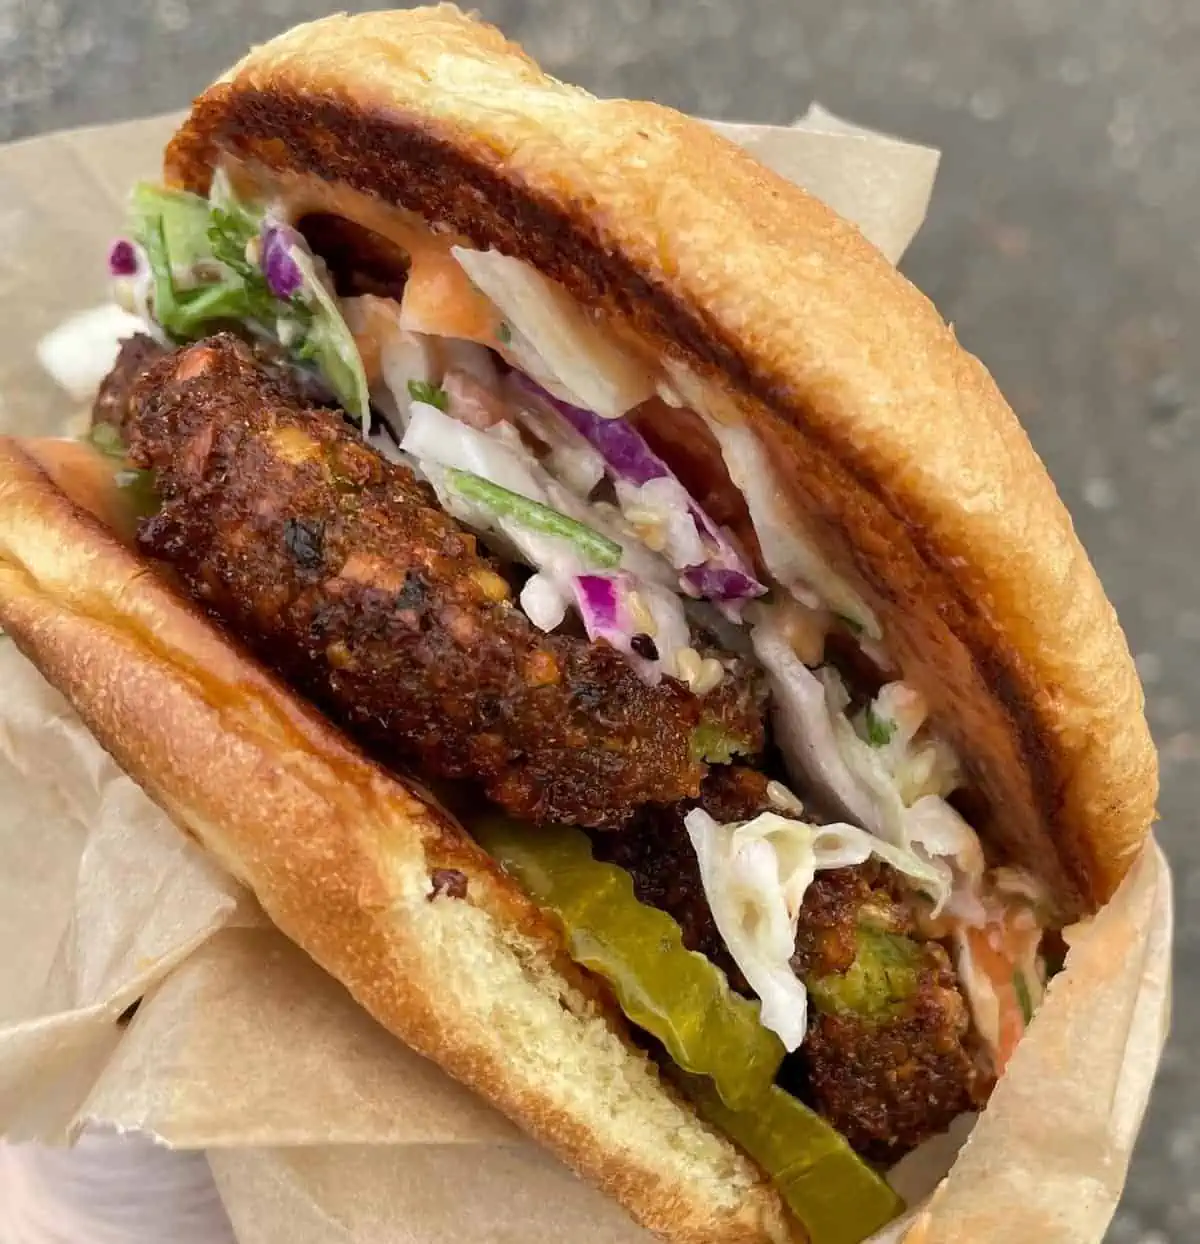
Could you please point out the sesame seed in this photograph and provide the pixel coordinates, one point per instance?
(654, 538)
(687, 664)
(641, 517)
(783, 798)
(805, 629)
(710, 675)
(643, 619)
(649, 527)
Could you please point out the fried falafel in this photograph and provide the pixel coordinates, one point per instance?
(341, 571)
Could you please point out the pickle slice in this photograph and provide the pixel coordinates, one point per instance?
(830, 1189)
(726, 1061)
(673, 993)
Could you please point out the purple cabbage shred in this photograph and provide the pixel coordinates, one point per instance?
(123, 258)
(279, 265)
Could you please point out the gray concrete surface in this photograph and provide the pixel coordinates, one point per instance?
(1062, 242)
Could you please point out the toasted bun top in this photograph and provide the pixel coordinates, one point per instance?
(346, 858)
(896, 446)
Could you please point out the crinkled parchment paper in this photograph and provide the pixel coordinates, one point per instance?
(319, 1126)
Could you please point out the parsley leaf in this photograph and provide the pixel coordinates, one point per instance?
(879, 729)
(230, 235)
(430, 394)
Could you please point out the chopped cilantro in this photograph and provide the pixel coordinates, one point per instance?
(430, 394)
(1024, 1001)
(230, 234)
(186, 313)
(596, 547)
(504, 333)
(713, 743)
(106, 438)
(879, 729)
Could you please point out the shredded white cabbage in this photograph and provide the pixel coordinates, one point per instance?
(438, 442)
(925, 767)
(469, 357)
(934, 827)
(645, 566)
(407, 357)
(135, 294)
(1015, 883)
(672, 634)
(660, 510)
(383, 444)
(819, 743)
(570, 458)
(927, 825)
(892, 787)
(790, 556)
(555, 340)
(433, 436)
(805, 725)
(755, 875)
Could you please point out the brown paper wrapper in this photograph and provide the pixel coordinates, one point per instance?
(318, 1125)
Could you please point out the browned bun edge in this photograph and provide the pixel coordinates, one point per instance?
(340, 855)
(893, 442)
(87, 477)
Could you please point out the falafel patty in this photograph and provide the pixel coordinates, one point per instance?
(137, 354)
(340, 570)
(888, 1058)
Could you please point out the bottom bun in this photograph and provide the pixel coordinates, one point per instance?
(343, 858)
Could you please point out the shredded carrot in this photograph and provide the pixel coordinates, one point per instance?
(994, 954)
(440, 300)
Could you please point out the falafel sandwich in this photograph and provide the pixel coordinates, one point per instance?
(593, 602)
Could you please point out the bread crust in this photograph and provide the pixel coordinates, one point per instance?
(897, 448)
(341, 855)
